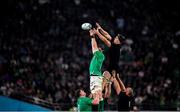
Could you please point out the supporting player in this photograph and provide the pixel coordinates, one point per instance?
(113, 44)
(85, 103)
(125, 95)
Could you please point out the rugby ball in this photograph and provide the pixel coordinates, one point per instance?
(86, 26)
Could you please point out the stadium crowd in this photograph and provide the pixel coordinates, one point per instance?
(45, 54)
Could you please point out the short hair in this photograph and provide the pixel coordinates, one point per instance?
(131, 92)
(121, 37)
(77, 92)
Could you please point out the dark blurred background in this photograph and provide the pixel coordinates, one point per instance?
(45, 55)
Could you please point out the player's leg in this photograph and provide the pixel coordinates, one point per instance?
(96, 85)
(97, 91)
(101, 106)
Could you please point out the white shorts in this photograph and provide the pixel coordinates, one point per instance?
(96, 83)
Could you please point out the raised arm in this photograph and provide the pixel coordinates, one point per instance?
(103, 38)
(121, 84)
(116, 83)
(103, 32)
(108, 87)
(103, 35)
(93, 41)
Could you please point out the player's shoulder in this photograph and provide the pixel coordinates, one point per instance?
(99, 55)
(122, 93)
(87, 98)
(98, 52)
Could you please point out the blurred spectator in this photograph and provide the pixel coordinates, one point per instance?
(44, 53)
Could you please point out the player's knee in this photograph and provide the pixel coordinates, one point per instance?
(106, 74)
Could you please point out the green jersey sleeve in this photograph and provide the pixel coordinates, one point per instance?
(84, 104)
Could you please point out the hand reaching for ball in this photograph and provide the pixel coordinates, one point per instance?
(92, 32)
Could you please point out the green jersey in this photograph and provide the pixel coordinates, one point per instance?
(96, 63)
(84, 104)
(99, 107)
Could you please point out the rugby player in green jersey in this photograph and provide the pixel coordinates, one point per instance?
(98, 81)
(85, 103)
(96, 76)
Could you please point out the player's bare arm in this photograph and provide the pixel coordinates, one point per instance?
(103, 32)
(103, 38)
(108, 87)
(93, 40)
(121, 84)
(116, 83)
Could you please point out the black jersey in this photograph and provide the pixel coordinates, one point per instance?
(124, 102)
(114, 55)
